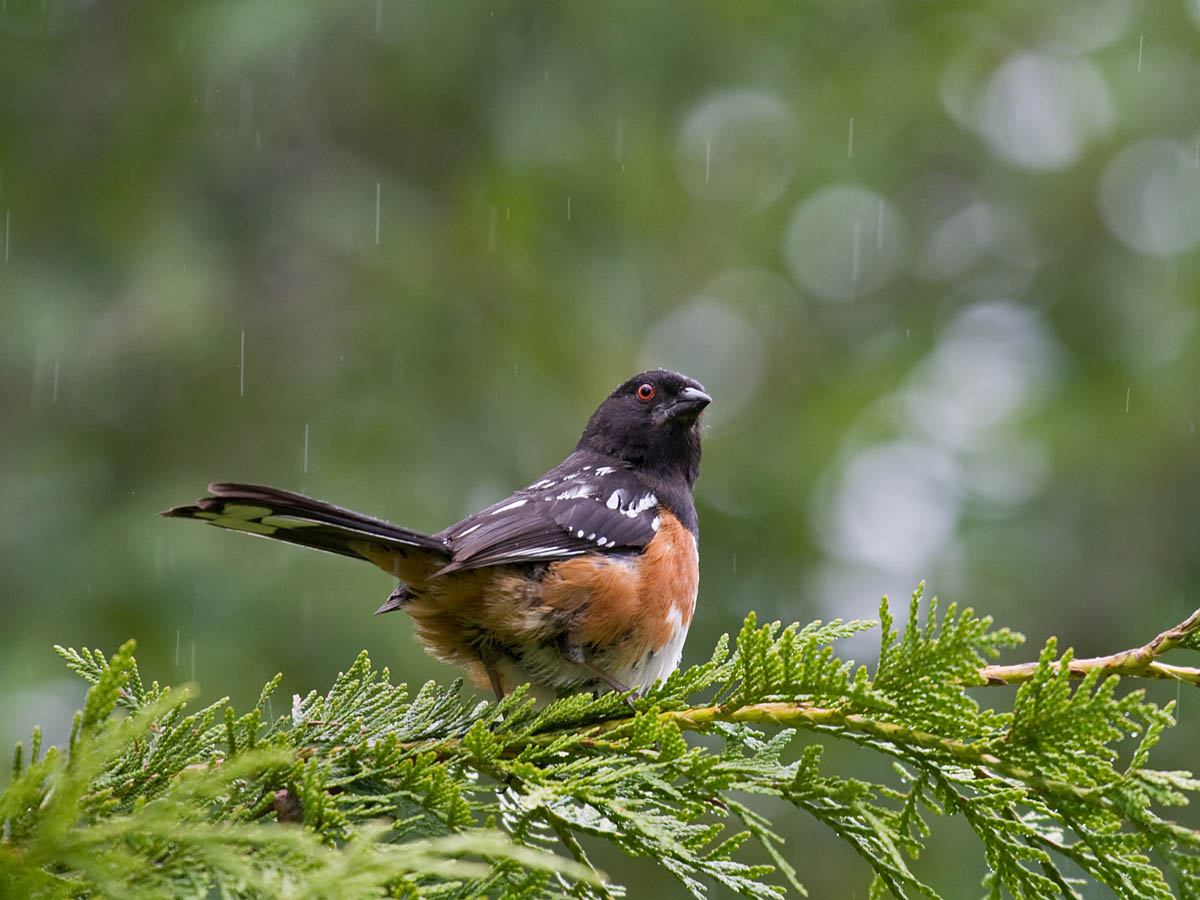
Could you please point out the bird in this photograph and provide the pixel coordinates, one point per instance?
(585, 580)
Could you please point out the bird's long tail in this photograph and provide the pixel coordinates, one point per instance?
(284, 516)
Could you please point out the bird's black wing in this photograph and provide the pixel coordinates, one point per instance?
(575, 508)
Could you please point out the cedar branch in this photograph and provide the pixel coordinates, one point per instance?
(1139, 662)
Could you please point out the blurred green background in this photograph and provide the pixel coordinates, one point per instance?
(935, 262)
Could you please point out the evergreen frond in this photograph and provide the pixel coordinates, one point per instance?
(370, 790)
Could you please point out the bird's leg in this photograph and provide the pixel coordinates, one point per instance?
(494, 678)
(489, 666)
(605, 677)
(575, 655)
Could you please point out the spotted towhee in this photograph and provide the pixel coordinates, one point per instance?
(583, 580)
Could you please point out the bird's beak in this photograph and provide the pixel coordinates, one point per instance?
(688, 407)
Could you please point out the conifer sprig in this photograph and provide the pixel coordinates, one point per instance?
(370, 790)
(1141, 662)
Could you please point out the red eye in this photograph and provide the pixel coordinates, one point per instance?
(645, 392)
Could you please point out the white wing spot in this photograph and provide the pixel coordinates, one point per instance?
(605, 470)
(516, 504)
(647, 501)
(579, 533)
(633, 510)
(463, 534)
(591, 537)
(610, 543)
(655, 522)
(576, 490)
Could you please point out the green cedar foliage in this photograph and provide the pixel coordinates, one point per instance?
(368, 790)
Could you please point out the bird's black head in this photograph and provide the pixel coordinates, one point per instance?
(651, 421)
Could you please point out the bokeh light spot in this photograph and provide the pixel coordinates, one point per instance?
(844, 241)
(1149, 197)
(993, 358)
(896, 505)
(738, 147)
(1039, 111)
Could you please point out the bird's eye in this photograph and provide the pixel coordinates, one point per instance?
(645, 392)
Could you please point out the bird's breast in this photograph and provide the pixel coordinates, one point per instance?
(643, 602)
